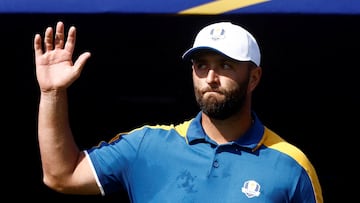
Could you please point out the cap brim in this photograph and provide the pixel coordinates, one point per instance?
(190, 53)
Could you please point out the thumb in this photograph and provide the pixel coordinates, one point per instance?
(80, 62)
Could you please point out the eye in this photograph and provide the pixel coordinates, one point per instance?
(200, 66)
(226, 66)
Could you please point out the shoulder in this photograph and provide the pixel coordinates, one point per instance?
(274, 141)
(160, 129)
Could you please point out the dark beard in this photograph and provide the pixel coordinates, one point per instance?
(221, 110)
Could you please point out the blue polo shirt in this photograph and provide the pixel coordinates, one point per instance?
(180, 163)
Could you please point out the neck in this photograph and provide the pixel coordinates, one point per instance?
(230, 129)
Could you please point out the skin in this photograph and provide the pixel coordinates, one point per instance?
(65, 168)
(220, 80)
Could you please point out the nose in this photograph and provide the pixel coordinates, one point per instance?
(212, 76)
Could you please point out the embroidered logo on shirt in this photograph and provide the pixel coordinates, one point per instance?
(251, 189)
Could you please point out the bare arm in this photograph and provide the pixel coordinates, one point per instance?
(64, 165)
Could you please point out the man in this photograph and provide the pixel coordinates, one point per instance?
(223, 154)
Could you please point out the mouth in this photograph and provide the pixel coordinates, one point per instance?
(211, 93)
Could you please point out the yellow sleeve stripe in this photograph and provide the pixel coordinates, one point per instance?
(274, 141)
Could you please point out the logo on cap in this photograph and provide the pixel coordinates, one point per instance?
(217, 33)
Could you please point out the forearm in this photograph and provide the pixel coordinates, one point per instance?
(59, 152)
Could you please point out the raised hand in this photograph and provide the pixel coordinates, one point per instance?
(55, 69)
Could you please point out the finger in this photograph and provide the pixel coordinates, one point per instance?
(59, 35)
(80, 62)
(48, 39)
(71, 38)
(37, 45)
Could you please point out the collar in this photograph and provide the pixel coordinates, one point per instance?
(251, 139)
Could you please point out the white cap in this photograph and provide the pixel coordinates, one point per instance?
(228, 39)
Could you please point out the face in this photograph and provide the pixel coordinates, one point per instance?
(220, 84)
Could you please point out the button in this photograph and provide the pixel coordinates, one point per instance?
(216, 164)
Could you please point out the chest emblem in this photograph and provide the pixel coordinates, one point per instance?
(251, 189)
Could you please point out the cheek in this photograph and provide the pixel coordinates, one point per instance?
(197, 84)
(196, 80)
(229, 83)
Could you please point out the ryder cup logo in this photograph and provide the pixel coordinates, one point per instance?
(251, 189)
(217, 33)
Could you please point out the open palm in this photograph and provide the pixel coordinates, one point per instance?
(55, 69)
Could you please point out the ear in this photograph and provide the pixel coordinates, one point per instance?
(255, 76)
